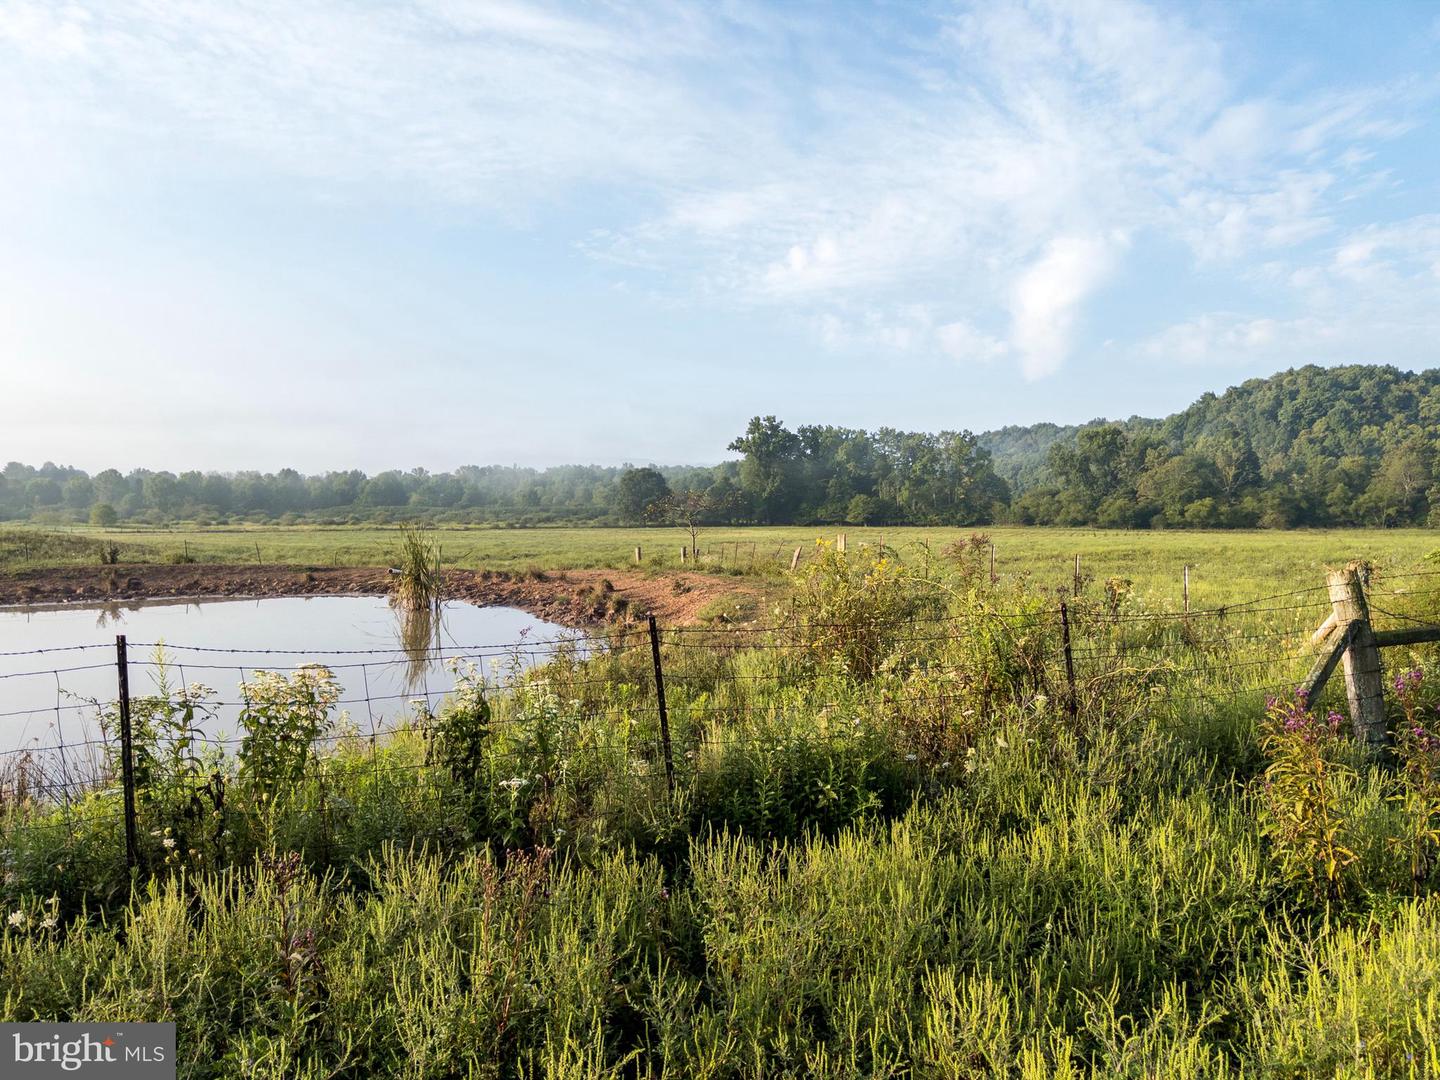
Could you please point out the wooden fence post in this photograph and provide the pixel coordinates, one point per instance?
(660, 700)
(795, 560)
(993, 578)
(840, 544)
(127, 752)
(637, 553)
(1364, 685)
(1186, 588)
(1077, 575)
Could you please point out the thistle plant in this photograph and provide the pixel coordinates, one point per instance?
(1303, 819)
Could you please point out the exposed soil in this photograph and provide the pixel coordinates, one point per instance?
(576, 598)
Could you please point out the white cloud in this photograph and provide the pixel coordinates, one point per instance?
(1225, 338)
(1047, 297)
(1370, 296)
(961, 341)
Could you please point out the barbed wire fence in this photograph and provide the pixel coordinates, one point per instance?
(1076, 650)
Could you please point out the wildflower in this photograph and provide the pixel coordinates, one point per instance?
(169, 842)
(909, 757)
(514, 783)
(19, 920)
(49, 922)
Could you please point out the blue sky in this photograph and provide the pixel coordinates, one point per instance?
(250, 234)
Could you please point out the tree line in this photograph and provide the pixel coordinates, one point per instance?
(1311, 446)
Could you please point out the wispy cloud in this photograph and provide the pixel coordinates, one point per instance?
(994, 166)
(1368, 296)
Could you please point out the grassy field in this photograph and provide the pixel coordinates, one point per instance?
(1224, 566)
(900, 841)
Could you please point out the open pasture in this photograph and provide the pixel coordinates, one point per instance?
(1225, 566)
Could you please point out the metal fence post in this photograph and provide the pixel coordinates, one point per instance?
(127, 752)
(660, 699)
(1072, 704)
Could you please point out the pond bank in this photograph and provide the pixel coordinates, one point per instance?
(574, 598)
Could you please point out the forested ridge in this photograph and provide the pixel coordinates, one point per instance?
(1311, 446)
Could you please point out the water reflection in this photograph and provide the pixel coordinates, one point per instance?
(55, 657)
(419, 632)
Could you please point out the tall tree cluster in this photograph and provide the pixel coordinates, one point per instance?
(1312, 446)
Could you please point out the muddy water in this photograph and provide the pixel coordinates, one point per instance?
(55, 661)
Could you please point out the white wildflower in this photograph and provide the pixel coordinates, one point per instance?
(169, 842)
(49, 922)
(909, 757)
(514, 783)
(19, 920)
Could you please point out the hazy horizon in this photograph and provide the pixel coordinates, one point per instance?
(615, 464)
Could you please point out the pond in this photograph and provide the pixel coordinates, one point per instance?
(56, 661)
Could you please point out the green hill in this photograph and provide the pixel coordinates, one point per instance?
(1351, 445)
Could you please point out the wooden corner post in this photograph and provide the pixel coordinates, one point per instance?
(1364, 685)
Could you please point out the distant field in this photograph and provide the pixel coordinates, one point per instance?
(1225, 566)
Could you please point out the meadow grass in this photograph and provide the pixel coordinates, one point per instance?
(1225, 566)
(891, 850)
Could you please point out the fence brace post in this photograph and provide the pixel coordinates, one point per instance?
(127, 751)
(1072, 704)
(660, 699)
(1364, 684)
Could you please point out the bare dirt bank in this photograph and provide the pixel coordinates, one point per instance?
(575, 598)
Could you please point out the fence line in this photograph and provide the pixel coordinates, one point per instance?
(1080, 653)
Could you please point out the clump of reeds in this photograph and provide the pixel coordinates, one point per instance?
(418, 580)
